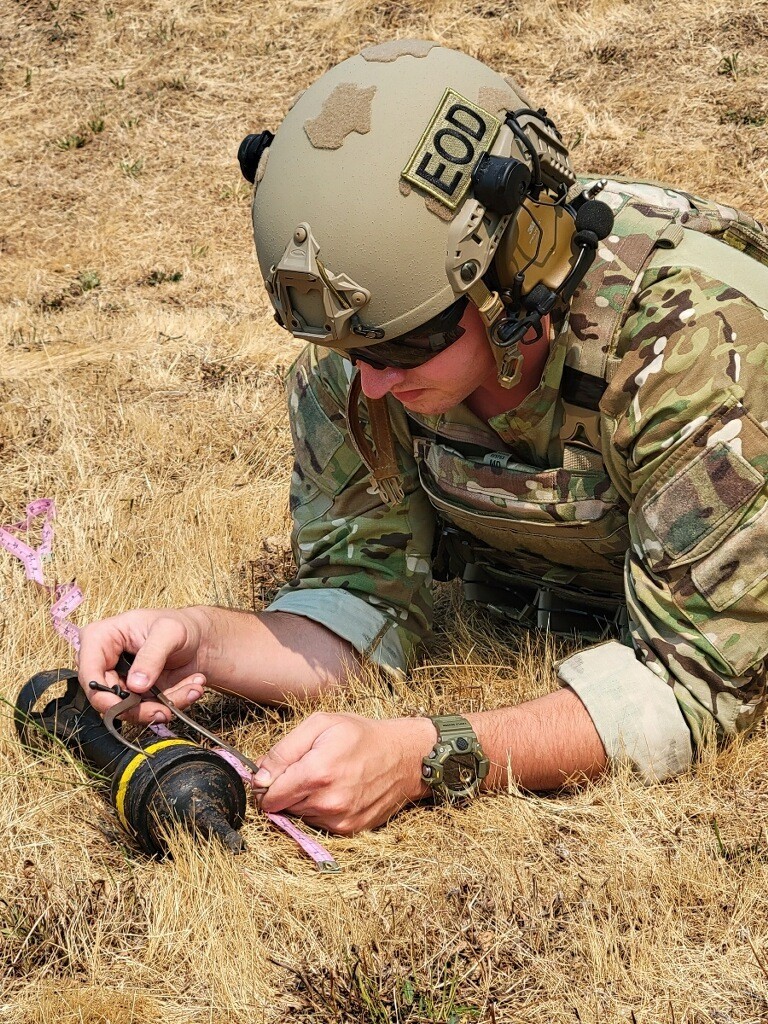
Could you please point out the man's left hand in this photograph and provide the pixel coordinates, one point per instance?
(345, 773)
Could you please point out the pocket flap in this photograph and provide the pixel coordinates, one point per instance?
(323, 456)
(712, 488)
(735, 567)
(701, 489)
(500, 486)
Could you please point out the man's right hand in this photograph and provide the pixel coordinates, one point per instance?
(166, 644)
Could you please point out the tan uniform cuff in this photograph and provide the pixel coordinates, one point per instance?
(370, 632)
(634, 712)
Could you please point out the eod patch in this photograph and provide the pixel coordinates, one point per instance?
(454, 140)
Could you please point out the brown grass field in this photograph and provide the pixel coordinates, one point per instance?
(140, 386)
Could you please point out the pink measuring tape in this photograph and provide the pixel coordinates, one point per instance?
(310, 846)
(66, 597)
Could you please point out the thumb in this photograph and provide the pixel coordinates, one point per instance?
(164, 637)
(291, 748)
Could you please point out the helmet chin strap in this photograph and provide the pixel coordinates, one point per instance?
(509, 360)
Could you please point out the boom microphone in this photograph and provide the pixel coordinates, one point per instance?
(594, 221)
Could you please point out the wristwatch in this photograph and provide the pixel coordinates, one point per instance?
(456, 765)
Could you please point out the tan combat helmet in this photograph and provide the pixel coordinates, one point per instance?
(383, 197)
(387, 188)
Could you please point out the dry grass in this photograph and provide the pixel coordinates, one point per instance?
(140, 387)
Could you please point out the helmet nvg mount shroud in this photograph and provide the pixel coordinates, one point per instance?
(388, 189)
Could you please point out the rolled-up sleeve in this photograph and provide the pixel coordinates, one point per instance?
(634, 712)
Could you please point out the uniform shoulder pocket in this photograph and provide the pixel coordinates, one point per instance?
(702, 490)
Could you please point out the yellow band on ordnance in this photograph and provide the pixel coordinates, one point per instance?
(130, 770)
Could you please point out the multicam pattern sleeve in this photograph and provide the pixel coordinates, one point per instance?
(364, 570)
(688, 445)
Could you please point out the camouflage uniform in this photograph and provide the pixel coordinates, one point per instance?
(635, 472)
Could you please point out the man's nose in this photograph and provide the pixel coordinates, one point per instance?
(375, 382)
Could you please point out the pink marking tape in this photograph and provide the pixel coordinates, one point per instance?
(68, 596)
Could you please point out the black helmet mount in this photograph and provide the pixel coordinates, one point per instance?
(250, 152)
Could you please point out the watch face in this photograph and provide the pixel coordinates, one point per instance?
(460, 771)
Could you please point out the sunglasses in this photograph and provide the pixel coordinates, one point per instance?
(416, 347)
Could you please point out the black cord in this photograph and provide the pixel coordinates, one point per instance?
(537, 186)
(540, 115)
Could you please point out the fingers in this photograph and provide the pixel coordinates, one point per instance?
(153, 637)
(100, 646)
(164, 638)
(299, 783)
(156, 637)
(187, 691)
(291, 749)
(345, 772)
(327, 815)
(183, 694)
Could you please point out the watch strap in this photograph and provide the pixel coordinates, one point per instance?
(451, 728)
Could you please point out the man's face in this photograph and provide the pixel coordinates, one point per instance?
(445, 380)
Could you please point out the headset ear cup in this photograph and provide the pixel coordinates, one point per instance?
(536, 247)
(585, 239)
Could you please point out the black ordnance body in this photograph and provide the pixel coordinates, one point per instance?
(173, 781)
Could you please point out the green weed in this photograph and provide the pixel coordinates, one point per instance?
(74, 141)
(748, 117)
(241, 192)
(359, 993)
(166, 31)
(177, 84)
(88, 280)
(132, 168)
(729, 65)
